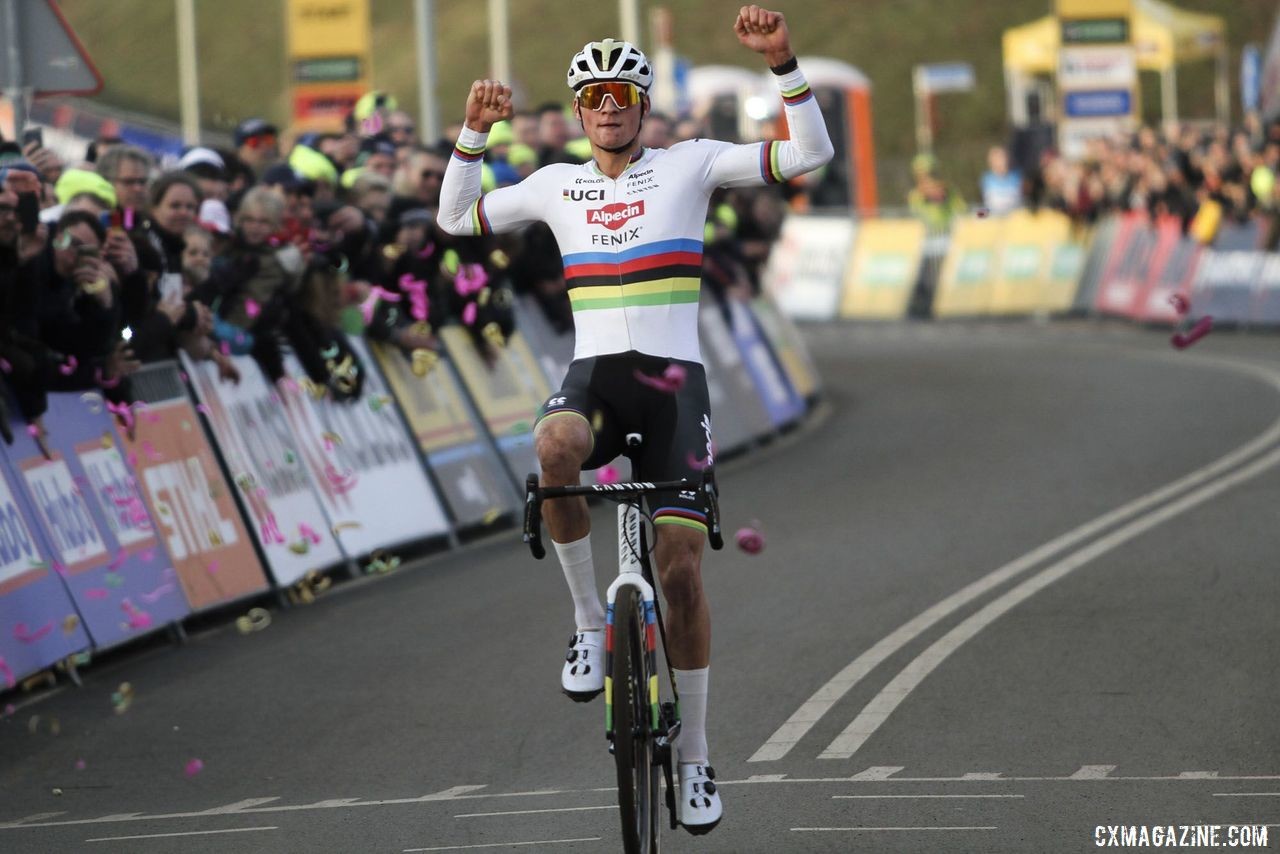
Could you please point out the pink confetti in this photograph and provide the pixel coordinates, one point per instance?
(212, 568)
(142, 405)
(69, 367)
(97, 593)
(305, 530)
(341, 482)
(151, 452)
(251, 307)
(204, 407)
(193, 767)
(22, 633)
(427, 251)
(60, 568)
(121, 557)
(697, 464)
(471, 278)
(103, 381)
(1202, 328)
(132, 459)
(606, 475)
(5, 366)
(138, 619)
(671, 381)
(1180, 303)
(9, 681)
(270, 530)
(128, 219)
(182, 375)
(417, 291)
(81, 765)
(123, 412)
(162, 590)
(377, 292)
(148, 555)
(469, 314)
(33, 430)
(225, 347)
(750, 540)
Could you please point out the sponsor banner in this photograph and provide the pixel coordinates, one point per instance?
(473, 480)
(1238, 236)
(1172, 267)
(780, 400)
(1097, 67)
(1101, 103)
(883, 270)
(1125, 273)
(969, 269)
(265, 462)
(807, 263)
(191, 502)
(790, 348)
(1074, 135)
(88, 507)
(1224, 285)
(508, 393)
(39, 624)
(1066, 264)
(362, 461)
(1095, 263)
(736, 408)
(1027, 241)
(1266, 299)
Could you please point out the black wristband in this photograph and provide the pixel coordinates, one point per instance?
(785, 68)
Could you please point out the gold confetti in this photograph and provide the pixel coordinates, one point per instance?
(597, 421)
(215, 539)
(483, 297)
(300, 548)
(392, 251)
(342, 526)
(69, 623)
(493, 332)
(122, 698)
(255, 621)
(491, 515)
(423, 361)
(500, 259)
(108, 441)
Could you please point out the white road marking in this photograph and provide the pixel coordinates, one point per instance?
(1246, 794)
(875, 775)
(506, 844)
(910, 797)
(534, 812)
(892, 695)
(239, 805)
(838, 829)
(812, 710)
(39, 816)
(1199, 775)
(1093, 772)
(187, 833)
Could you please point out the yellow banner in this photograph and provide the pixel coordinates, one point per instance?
(883, 269)
(432, 404)
(970, 268)
(327, 28)
(1029, 241)
(509, 392)
(1094, 8)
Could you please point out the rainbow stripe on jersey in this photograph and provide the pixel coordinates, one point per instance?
(665, 272)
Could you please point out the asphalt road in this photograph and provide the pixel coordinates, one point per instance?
(936, 651)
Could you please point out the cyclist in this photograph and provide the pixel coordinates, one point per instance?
(629, 225)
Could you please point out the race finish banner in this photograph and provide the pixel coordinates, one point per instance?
(884, 268)
(788, 345)
(507, 393)
(190, 500)
(39, 624)
(363, 463)
(89, 509)
(806, 266)
(474, 482)
(738, 415)
(781, 401)
(969, 270)
(251, 432)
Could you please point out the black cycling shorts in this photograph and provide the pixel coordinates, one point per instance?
(610, 394)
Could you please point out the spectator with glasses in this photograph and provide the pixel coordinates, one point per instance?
(128, 168)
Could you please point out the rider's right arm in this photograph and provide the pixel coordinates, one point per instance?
(465, 211)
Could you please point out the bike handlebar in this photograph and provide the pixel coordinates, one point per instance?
(535, 495)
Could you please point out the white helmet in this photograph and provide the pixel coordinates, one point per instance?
(610, 60)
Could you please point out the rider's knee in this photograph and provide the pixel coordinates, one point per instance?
(681, 575)
(562, 444)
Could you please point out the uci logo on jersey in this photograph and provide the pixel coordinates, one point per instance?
(583, 195)
(615, 216)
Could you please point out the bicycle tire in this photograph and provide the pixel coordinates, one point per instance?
(632, 738)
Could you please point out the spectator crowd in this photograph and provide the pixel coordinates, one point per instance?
(119, 260)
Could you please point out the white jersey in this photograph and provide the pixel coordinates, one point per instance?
(632, 245)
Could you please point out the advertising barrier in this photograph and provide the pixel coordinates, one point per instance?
(1066, 266)
(789, 346)
(363, 463)
(507, 393)
(807, 265)
(191, 502)
(265, 462)
(1096, 258)
(1027, 244)
(39, 624)
(1172, 267)
(969, 269)
(738, 413)
(1123, 278)
(88, 508)
(473, 480)
(883, 269)
(781, 401)
(1225, 284)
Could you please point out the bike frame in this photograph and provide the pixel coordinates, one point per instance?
(631, 574)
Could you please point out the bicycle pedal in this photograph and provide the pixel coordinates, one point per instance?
(582, 696)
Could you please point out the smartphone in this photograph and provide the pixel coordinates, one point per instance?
(31, 135)
(170, 287)
(28, 212)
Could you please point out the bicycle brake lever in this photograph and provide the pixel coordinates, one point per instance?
(533, 518)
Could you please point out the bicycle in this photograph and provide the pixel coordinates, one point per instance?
(640, 726)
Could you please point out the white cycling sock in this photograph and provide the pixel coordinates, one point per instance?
(691, 744)
(580, 573)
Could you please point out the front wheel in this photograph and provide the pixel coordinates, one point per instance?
(632, 740)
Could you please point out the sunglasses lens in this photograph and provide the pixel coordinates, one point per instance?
(623, 94)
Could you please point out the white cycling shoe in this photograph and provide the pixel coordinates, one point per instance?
(700, 808)
(583, 675)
